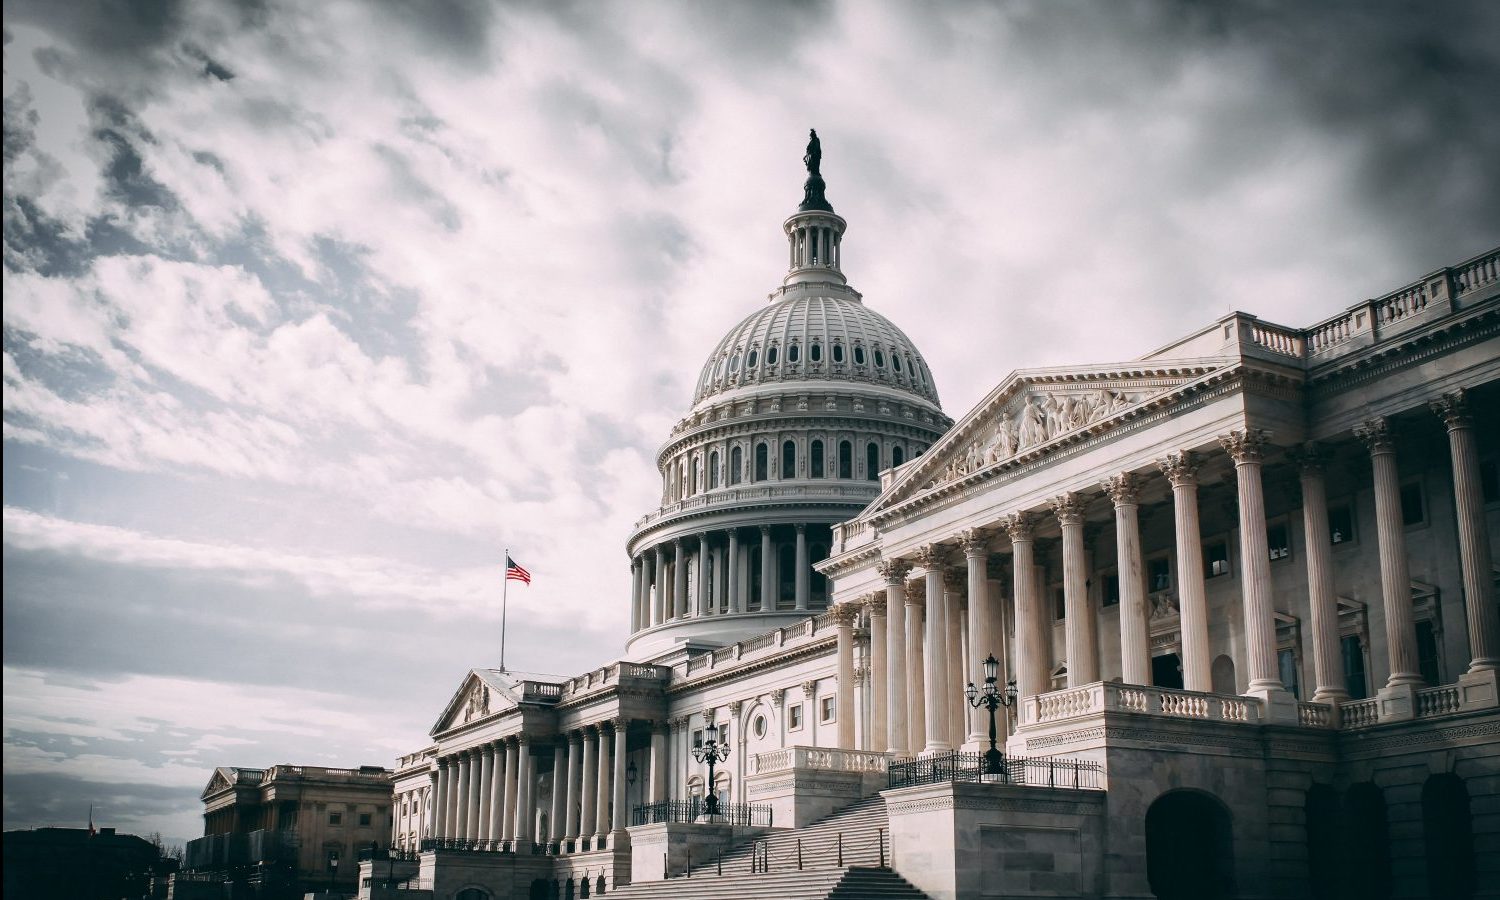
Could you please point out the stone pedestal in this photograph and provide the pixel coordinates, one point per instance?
(1277, 707)
(1398, 702)
(671, 848)
(800, 796)
(1479, 690)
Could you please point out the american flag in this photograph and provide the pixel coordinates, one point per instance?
(514, 572)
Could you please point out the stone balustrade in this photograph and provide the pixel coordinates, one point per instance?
(822, 758)
(1438, 701)
(1315, 715)
(1360, 713)
(1111, 696)
(757, 647)
(737, 496)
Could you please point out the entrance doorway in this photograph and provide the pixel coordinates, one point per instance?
(1166, 671)
(1189, 847)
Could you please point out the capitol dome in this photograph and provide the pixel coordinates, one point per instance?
(795, 415)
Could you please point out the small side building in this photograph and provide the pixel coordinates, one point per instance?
(288, 829)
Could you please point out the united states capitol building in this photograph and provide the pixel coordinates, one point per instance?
(1245, 586)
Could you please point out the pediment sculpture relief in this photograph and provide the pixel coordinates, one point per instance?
(478, 703)
(1033, 419)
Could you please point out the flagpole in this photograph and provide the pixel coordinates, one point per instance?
(504, 603)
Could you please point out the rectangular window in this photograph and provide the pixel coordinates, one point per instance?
(364, 820)
(1340, 523)
(698, 738)
(828, 709)
(1278, 540)
(794, 718)
(1059, 604)
(1354, 668)
(1159, 573)
(1413, 509)
(1427, 653)
(1286, 662)
(1111, 587)
(1215, 559)
(335, 818)
(1489, 480)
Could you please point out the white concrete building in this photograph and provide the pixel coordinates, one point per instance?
(1245, 586)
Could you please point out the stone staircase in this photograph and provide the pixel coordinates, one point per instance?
(839, 857)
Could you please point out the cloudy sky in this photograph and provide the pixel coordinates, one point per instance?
(312, 308)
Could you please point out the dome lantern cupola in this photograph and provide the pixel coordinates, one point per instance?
(814, 232)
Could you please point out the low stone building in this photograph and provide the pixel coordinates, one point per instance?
(1244, 586)
(286, 830)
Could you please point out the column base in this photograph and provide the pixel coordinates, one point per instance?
(1398, 702)
(1479, 689)
(1277, 705)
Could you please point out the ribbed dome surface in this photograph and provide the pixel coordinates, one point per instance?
(815, 338)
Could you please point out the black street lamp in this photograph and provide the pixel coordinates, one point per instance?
(992, 698)
(711, 752)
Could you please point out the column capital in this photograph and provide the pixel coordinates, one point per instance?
(954, 580)
(1310, 458)
(931, 556)
(1020, 526)
(975, 542)
(677, 542)
(916, 593)
(1068, 508)
(894, 570)
(1247, 446)
(809, 688)
(1377, 435)
(1124, 489)
(1453, 409)
(1181, 469)
(778, 696)
(875, 603)
(678, 723)
(735, 706)
(765, 531)
(801, 528)
(844, 614)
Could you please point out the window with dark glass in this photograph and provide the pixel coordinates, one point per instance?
(897, 457)
(1215, 559)
(859, 356)
(793, 353)
(1286, 664)
(815, 353)
(786, 570)
(872, 461)
(815, 454)
(771, 355)
(1340, 523)
(817, 582)
(1159, 573)
(364, 820)
(1278, 540)
(335, 818)
(895, 362)
(879, 360)
(752, 359)
(713, 469)
(1354, 667)
(736, 465)
(1427, 653)
(788, 459)
(762, 462)
(846, 459)
(734, 363)
(1111, 590)
(1413, 511)
(838, 353)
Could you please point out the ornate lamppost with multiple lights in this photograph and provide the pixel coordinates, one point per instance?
(711, 752)
(991, 697)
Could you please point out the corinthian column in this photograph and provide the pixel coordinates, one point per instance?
(1080, 631)
(486, 791)
(1473, 535)
(1327, 670)
(588, 786)
(1395, 572)
(621, 736)
(767, 570)
(512, 785)
(976, 556)
(843, 618)
(1031, 652)
(465, 800)
(935, 665)
(601, 793)
(440, 809)
(558, 813)
(732, 572)
(953, 657)
(894, 572)
(878, 730)
(916, 682)
(1247, 448)
(575, 779)
(803, 568)
(1135, 629)
(526, 793)
(679, 581)
(659, 611)
(635, 595)
(1181, 470)
(700, 603)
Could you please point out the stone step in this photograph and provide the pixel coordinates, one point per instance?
(849, 883)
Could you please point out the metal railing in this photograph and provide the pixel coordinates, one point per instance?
(1044, 771)
(395, 853)
(751, 815)
(467, 846)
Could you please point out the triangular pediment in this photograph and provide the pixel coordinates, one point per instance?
(483, 693)
(1032, 412)
(223, 778)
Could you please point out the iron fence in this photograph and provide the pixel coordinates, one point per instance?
(1044, 771)
(751, 815)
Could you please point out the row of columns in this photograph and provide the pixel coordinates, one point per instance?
(915, 658)
(660, 582)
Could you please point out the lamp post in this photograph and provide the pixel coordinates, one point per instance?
(711, 752)
(992, 698)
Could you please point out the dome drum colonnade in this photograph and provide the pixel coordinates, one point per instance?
(914, 688)
(796, 412)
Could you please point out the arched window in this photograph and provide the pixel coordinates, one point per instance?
(786, 571)
(895, 362)
(815, 454)
(859, 356)
(872, 461)
(788, 459)
(693, 477)
(879, 360)
(713, 469)
(897, 457)
(752, 359)
(681, 479)
(736, 465)
(846, 459)
(734, 363)
(762, 462)
(1189, 847)
(771, 355)
(838, 353)
(816, 353)
(793, 353)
